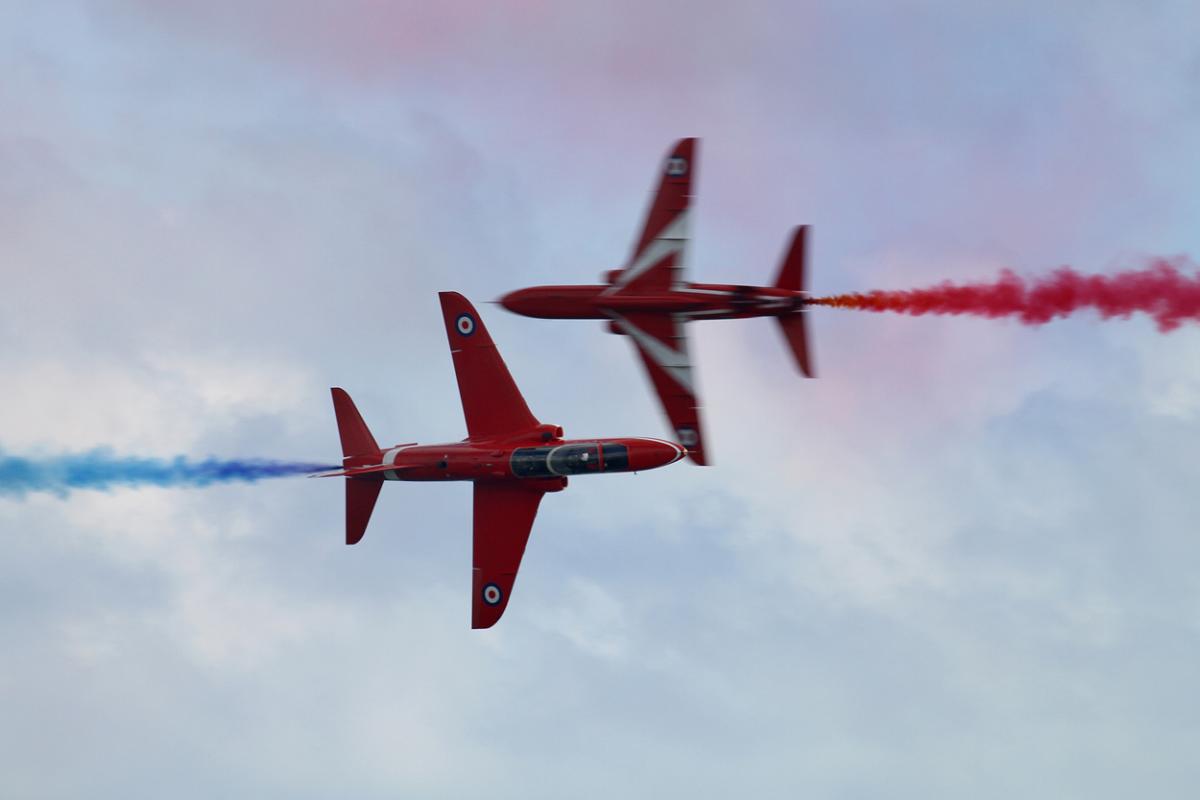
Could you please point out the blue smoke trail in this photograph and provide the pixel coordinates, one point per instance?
(101, 469)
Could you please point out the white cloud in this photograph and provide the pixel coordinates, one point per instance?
(1167, 386)
(148, 405)
(590, 618)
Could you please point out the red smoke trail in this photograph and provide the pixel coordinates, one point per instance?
(1163, 291)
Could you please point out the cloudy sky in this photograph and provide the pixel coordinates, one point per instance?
(961, 563)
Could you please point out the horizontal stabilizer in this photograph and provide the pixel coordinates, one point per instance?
(793, 276)
(357, 443)
(361, 494)
(356, 437)
(793, 267)
(795, 331)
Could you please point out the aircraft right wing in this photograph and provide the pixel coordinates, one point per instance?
(658, 255)
(504, 514)
(662, 344)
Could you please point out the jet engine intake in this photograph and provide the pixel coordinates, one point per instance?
(549, 432)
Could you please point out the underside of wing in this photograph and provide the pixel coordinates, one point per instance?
(657, 260)
(504, 514)
(492, 403)
(662, 344)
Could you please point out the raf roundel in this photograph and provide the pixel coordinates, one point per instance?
(677, 166)
(465, 324)
(492, 594)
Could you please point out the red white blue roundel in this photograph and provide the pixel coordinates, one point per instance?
(465, 324)
(688, 437)
(492, 595)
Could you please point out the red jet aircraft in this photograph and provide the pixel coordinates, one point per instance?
(649, 300)
(512, 458)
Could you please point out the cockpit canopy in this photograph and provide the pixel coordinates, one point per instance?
(569, 459)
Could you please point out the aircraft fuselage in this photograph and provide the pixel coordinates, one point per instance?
(546, 462)
(694, 300)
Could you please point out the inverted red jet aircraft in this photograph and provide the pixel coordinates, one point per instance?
(649, 301)
(512, 458)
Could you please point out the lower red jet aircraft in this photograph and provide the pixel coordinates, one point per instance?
(512, 458)
(649, 301)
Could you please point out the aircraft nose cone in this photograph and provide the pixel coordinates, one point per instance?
(517, 302)
(652, 453)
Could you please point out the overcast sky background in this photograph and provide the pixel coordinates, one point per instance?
(964, 562)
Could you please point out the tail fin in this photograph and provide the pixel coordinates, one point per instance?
(793, 276)
(357, 441)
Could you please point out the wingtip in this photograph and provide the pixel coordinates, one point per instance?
(455, 299)
(484, 616)
(685, 147)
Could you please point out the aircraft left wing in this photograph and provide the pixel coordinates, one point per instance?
(662, 343)
(504, 514)
(492, 404)
(657, 260)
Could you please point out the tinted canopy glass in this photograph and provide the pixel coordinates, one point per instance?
(575, 459)
(569, 459)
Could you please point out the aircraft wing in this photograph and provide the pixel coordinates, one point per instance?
(657, 260)
(662, 343)
(492, 404)
(504, 514)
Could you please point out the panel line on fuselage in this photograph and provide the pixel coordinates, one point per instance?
(698, 290)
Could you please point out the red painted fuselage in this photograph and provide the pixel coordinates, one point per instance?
(542, 461)
(690, 300)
